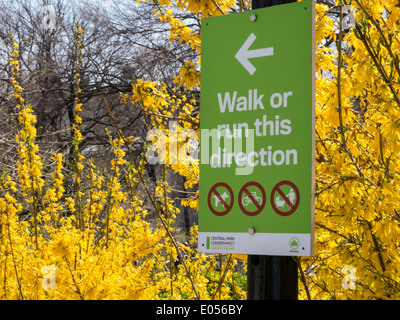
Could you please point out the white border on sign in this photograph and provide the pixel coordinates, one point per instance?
(274, 244)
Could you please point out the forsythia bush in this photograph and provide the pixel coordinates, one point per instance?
(357, 155)
(97, 244)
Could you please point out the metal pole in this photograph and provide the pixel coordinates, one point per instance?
(271, 277)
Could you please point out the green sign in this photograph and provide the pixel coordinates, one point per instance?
(257, 132)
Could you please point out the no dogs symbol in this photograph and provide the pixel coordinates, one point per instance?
(220, 199)
(285, 198)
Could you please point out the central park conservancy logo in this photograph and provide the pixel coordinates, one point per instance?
(220, 243)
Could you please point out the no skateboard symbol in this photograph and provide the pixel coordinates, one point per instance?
(220, 199)
(252, 198)
(285, 198)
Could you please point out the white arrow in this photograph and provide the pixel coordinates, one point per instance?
(244, 54)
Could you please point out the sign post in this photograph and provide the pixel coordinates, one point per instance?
(257, 142)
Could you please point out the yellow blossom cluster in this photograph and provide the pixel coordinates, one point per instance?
(357, 154)
(55, 244)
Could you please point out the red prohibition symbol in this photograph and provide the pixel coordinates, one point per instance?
(259, 203)
(220, 198)
(289, 200)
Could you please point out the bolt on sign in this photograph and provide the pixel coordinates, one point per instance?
(257, 132)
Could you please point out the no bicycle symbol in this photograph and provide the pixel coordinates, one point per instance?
(220, 199)
(252, 198)
(285, 198)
